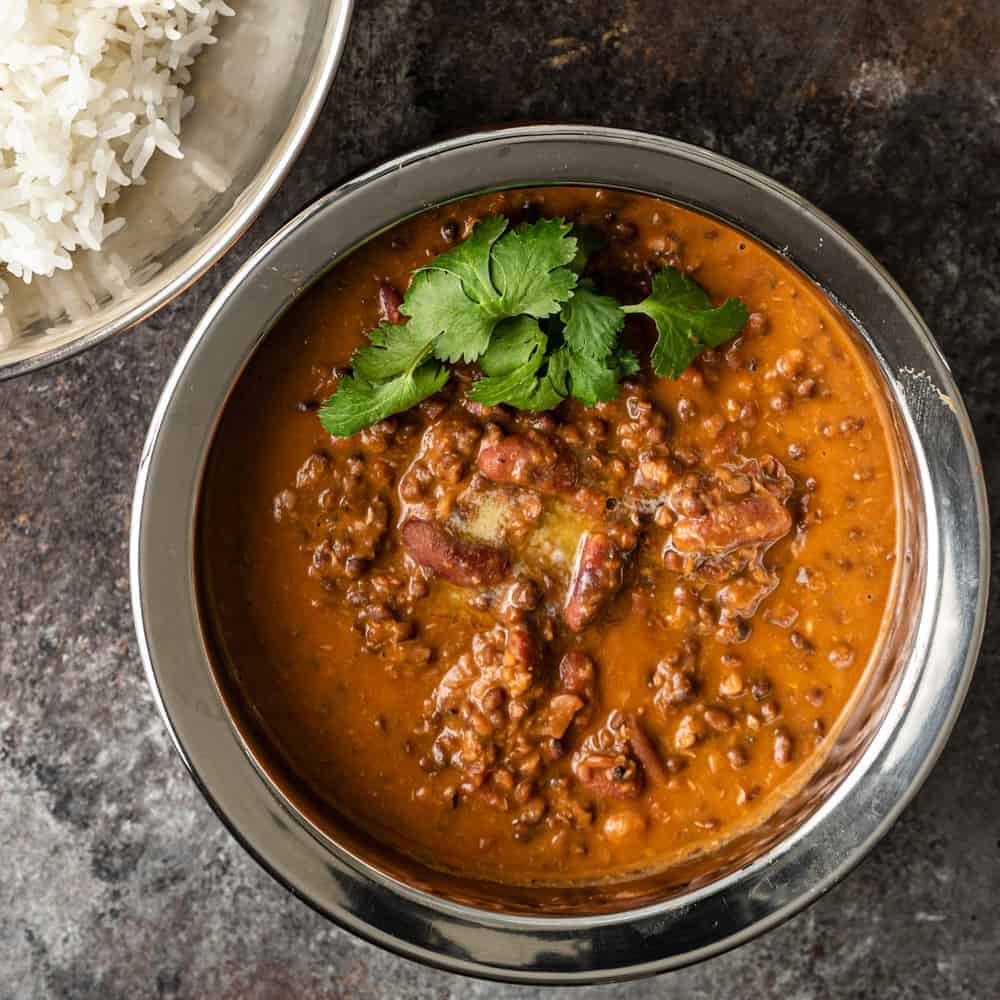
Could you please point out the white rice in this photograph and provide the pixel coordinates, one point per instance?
(90, 90)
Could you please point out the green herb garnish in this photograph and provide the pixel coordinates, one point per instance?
(516, 368)
(358, 403)
(685, 321)
(511, 300)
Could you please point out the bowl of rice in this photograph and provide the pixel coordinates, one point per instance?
(138, 140)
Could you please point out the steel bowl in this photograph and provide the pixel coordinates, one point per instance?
(895, 729)
(258, 91)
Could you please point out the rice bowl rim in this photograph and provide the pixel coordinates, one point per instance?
(118, 316)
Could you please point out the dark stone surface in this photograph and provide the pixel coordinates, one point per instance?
(116, 879)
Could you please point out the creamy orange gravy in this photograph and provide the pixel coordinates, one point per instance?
(352, 722)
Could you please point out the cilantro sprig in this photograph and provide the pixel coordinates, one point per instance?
(512, 299)
(516, 368)
(685, 321)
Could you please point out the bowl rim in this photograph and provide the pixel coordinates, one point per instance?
(656, 937)
(247, 205)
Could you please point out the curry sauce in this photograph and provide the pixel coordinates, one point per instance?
(568, 646)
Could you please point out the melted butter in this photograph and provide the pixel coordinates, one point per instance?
(558, 535)
(487, 516)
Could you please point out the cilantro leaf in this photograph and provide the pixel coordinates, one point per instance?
(393, 349)
(589, 380)
(515, 368)
(357, 403)
(529, 268)
(587, 363)
(517, 342)
(522, 389)
(469, 262)
(458, 299)
(685, 320)
(453, 298)
(591, 322)
(626, 362)
(443, 315)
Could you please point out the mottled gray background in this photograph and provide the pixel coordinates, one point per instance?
(116, 880)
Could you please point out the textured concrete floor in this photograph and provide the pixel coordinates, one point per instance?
(116, 880)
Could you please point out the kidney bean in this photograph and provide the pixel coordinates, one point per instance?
(597, 577)
(576, 673)
(459, 560)
(642, 746)
(532, 460)
(756, 520)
